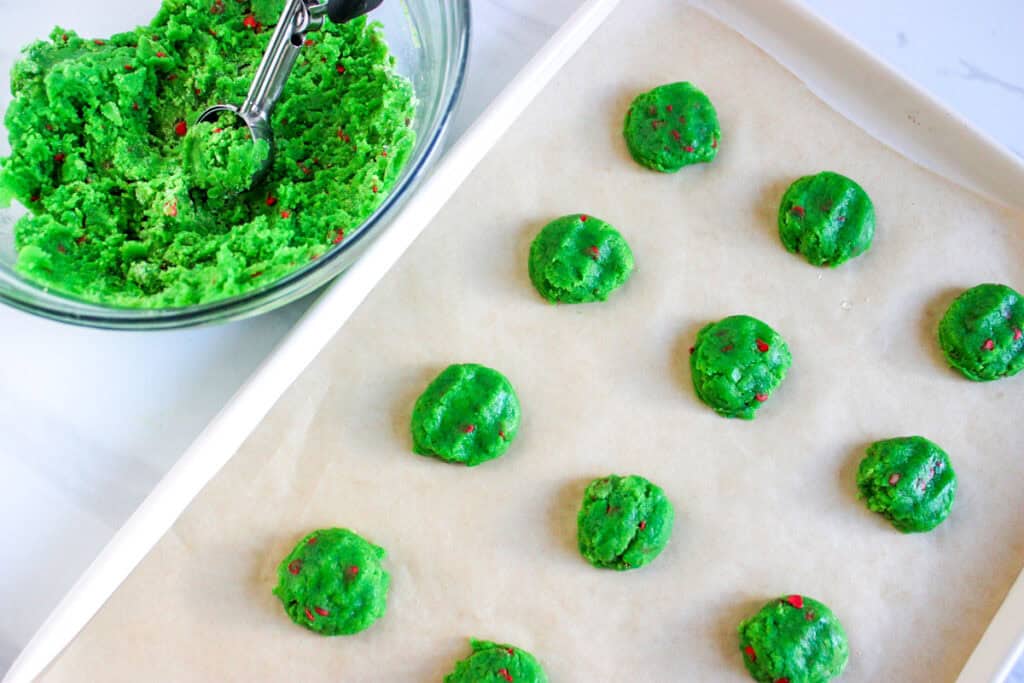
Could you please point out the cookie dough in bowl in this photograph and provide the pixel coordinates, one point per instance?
(119, 220)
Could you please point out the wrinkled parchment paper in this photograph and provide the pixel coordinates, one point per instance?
(763, 508)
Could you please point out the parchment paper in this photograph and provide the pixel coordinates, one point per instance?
(763, 508)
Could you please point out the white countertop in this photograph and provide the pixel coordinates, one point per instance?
(91, 420)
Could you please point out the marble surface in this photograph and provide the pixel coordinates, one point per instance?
(93, 419)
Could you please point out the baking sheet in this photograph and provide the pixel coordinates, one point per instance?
(763, 508)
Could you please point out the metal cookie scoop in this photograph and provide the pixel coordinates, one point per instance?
(298, 18)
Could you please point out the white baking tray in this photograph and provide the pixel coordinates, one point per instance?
(841, 73)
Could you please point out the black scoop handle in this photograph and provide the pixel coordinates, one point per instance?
(341, 11)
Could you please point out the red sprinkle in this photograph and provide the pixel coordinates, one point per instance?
(161, 55)
(727, 348)
(271, 200)
(82, 240)
(321, 611)
(180, 129)
(692, 349)
(309, 615)
(375, 189)
(309, 42)
(217, 7)
(250, 21)
(59, 157)
(343, 136)
(99, 42)
(657, 122)
(135, 106)
(286, 214)
(584, 217)
(676, 135)
(171, 209)
(128, 67)
(34, 198)
(760, 398)
(894, 478)
(749, 652)
(294, 567)
(642, 524)
(172, 77)
(652, 111)
(311, 541)
(809, 615)
(352, 572)
(796, 601)
(49, 127)
(198, 92)
(218, 130)
(340, 69)
(501, 434)
(988, 345)
(383, 152)
(61, 249)
(798, 211)
(1017, 334)
(714, 143)
(688, 148)
(256, 274)
(469, 429)
(64, 37)
(510, 651)
(339, 236)
(781, 680)
(594, 252)
(505, 674)
(668, 108)
(762, 346)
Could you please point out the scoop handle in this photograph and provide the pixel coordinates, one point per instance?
(340, 11)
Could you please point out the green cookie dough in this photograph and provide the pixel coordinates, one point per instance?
(981, 333)
(826, 217)
(737, 363)
(118, 212)
(909, 481)
(333, 582)
(579, 259)
(497, 663)
(221, 158)
(794, 640)
(469, 414)
(623, 523)
(672, 126)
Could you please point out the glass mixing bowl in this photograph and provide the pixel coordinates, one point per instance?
(430, 41)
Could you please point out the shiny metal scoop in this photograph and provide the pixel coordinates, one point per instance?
(298, 18)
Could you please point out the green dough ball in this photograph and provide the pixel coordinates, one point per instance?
(469, 414)
(127, 209)
(909, 481)
(221, 157)
(737, 363)
(497, 663)
(578, 259)
(333, 582)
(794, 639)
(981, 333)
(672, 126)
(624, 522)
(826, 217)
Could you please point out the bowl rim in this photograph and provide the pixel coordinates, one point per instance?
(288, 288)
